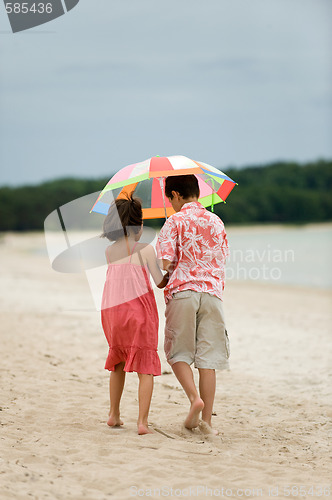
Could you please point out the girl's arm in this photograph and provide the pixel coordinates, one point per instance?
(159, 279)
(107, 255)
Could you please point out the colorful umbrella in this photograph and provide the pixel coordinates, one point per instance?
(147, 179)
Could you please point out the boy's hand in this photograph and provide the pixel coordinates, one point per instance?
(167, 265)
(164, 281)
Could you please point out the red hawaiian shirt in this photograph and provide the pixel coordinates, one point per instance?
(195, 241)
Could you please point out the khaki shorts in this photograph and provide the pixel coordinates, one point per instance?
(195, 330)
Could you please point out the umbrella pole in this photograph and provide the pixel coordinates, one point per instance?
(163, 194)
(212, 200)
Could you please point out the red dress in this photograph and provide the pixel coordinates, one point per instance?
(129, 317)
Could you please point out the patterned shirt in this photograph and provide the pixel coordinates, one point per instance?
(195, 241)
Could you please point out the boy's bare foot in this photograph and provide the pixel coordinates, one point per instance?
(207, 429)
(143, 429)
(192, 419)
(114, 421)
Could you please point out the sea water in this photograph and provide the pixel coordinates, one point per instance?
(293, 255)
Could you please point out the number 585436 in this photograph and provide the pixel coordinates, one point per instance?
(23, 8)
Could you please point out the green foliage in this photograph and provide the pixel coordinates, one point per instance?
(281, 192)
(26, 207)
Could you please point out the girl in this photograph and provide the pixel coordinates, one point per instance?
(129, 312)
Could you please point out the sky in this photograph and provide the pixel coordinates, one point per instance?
(110, 83)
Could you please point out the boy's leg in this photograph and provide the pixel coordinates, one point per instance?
(180, 340)
(145, 388)
(207, 389)
(117, 380)
(184, 374)
(212, 350)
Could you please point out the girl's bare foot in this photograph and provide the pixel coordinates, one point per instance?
(192, 419)
(143, 429)
(114, 421)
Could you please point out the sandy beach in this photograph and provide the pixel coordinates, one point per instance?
(272, 408)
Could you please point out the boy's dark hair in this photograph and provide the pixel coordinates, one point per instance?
(123, 213)
(185, 185)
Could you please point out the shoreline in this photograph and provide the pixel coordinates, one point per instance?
(239, 226)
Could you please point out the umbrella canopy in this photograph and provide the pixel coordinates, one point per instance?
(147, 180)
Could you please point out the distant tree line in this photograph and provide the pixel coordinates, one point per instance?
(276, 193)
(280, 193)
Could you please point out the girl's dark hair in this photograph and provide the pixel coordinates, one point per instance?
(123, 213)
(185, 185)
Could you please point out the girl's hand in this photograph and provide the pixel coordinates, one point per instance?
(158, 277)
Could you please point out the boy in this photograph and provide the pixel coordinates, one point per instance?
(193, 247)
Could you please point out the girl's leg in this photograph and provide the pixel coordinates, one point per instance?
(207, 389)
(185, 376)
(117, 380)
(145, 388)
